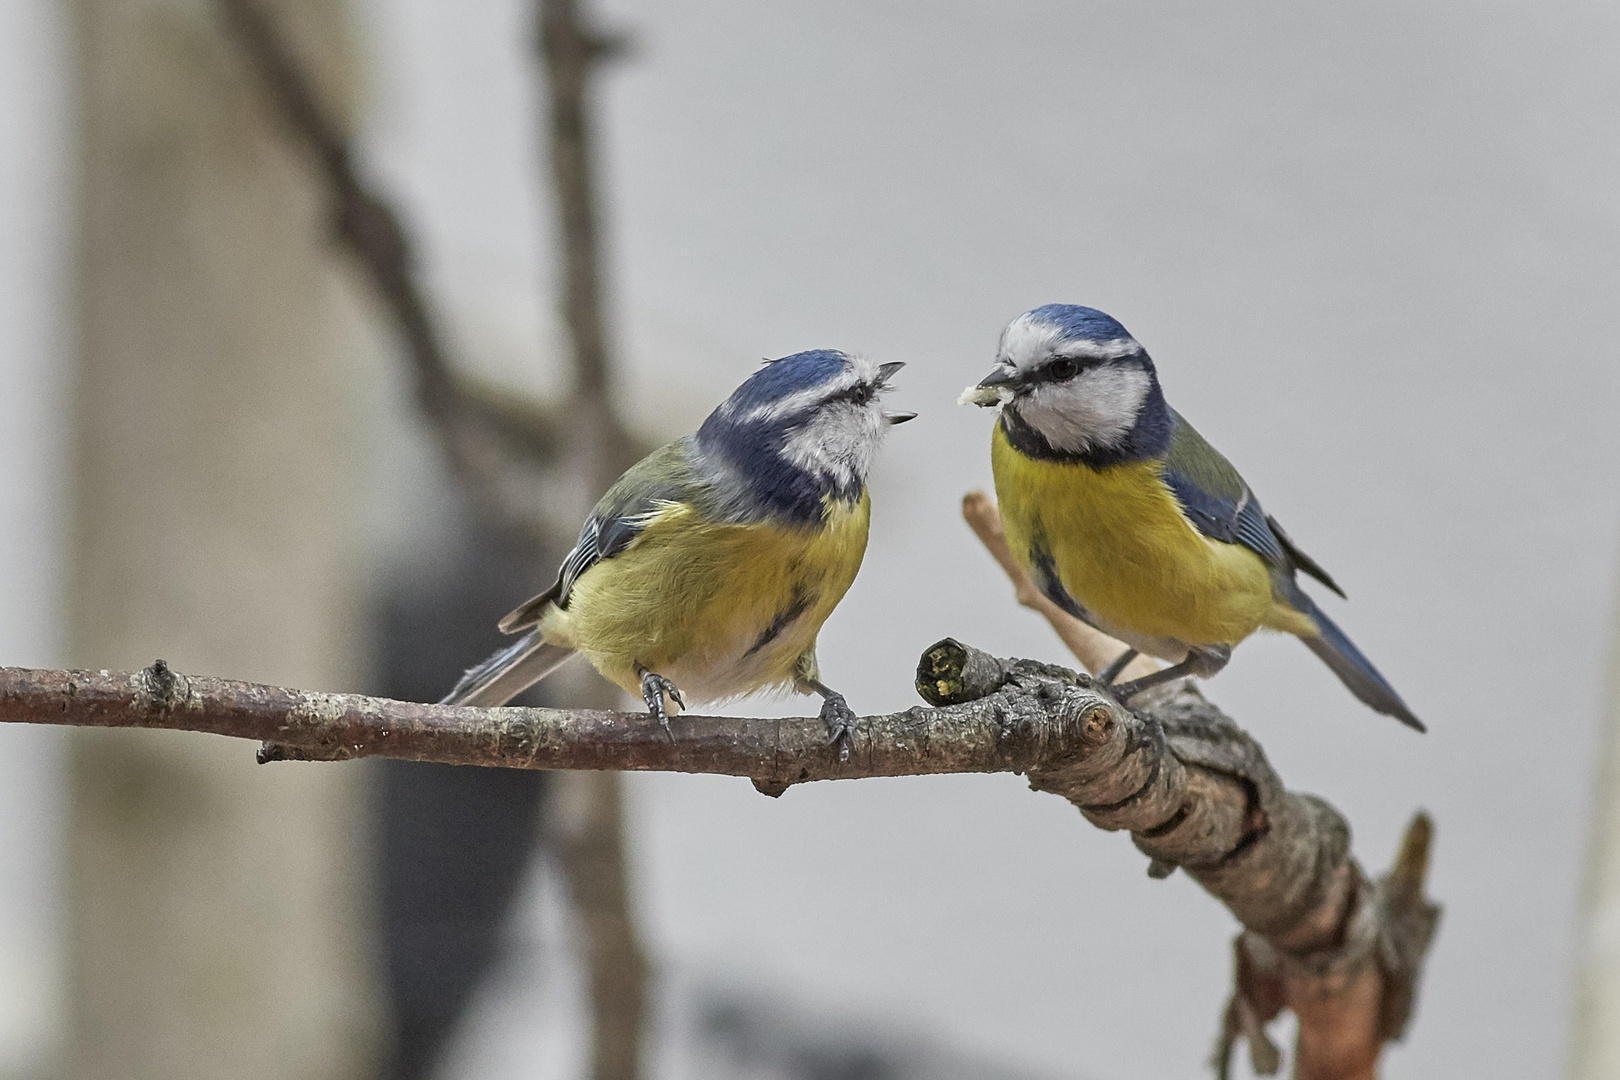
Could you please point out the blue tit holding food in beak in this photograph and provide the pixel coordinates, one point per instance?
(707, 570)
(1126, 518)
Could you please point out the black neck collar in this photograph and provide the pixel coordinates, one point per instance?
(1149, 437)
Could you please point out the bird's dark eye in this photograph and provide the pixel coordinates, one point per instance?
(1063, 368)
(861, 394)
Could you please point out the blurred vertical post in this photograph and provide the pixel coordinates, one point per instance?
(1594, 1052)
(588, 818)
(33, 160)
(218, 912)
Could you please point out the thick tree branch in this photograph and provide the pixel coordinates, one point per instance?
(1340, 949)
(1347, 961)
(776, 753)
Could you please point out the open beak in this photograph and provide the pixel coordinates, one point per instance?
(994, 389)
(885, 373)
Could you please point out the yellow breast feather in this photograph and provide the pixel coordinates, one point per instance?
(1121, 546)
(721, 609)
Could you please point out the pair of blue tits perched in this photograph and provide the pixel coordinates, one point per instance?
(708, 569)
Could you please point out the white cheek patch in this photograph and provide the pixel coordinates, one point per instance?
(838, 442)
(1096, 408)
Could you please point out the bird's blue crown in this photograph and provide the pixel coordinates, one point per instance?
(1080, 323)
(781, 379)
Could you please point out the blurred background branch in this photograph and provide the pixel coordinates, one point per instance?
(482, 434)
(583, 454)
(588, 827)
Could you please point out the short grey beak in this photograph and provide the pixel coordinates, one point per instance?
(886, 371)
(899, 417)
(999, 377)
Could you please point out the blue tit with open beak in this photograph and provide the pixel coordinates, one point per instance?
(706, 572)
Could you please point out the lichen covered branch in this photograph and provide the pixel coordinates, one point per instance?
(1029, 716)
(1341, 950)
(1196, 792)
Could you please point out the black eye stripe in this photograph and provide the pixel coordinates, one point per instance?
(1076, 365)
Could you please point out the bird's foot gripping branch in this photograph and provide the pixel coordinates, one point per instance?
(1342, 951)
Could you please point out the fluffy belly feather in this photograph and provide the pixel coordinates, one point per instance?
(722, 610)
(1117, 542)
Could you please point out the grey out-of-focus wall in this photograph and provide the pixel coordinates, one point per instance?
(1374, 249)
(33, 214)
(226, 397)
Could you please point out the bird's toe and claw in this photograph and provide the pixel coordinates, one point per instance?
(840, 721)
(653, 689)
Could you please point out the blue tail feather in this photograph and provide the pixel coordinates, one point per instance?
(1348, 663)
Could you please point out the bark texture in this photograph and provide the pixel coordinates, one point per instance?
(1350, 978)
(1321, 937)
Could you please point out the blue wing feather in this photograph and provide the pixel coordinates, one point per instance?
(1220, 504)
(658, 479)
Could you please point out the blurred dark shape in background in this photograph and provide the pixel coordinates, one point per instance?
(745, 1038)
(454, 843)
(453, 846)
